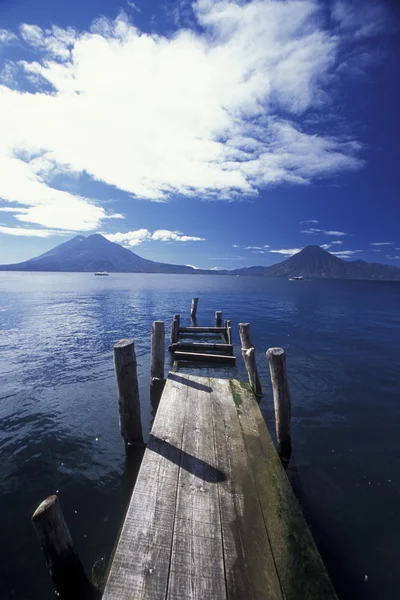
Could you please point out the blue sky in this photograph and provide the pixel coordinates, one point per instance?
(213, 133)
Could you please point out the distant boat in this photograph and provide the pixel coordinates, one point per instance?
(298, 278)
(102, 273)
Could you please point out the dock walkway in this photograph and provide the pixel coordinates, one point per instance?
(212, 515)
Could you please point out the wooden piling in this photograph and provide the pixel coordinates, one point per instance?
(157, 349)
(247, 343)
(218, 318)
(228, 332)
(175, 329)
(128, 392)
(65, 567)
(282, 402)
(249, 357)
(193, 309)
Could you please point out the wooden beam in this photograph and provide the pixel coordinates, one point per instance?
(157, 350)
(247, 343)
(128, 392)
(282, 402)
(250, 362)
(202, 329)
(175, 330)
(218, 318)
(202, 346)
(65, 567)
(193, 309)
(196, 356)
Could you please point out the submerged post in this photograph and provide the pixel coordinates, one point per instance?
(282, 402)
(193, 309)
(218, 318)
(65, 567)
(247, 343)
(175, 329)
(128, 393)
(157, 380)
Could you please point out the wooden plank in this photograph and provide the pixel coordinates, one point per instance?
(197, 566)
(202, 330)
(301, 571)
(197, 356)
(140, 566)
(249, 563)
(198, 347)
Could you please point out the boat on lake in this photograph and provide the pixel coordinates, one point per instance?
(102, 273)
(298, 278)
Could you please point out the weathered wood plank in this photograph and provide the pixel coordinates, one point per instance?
(157, 350)
(128, 392)
(282, 403)
(197, 356)
(301, 571)
(140, 566)
(249, 564)
(198, 347)
(202, 330)
(197, 566)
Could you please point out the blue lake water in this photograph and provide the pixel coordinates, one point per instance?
(59, 423)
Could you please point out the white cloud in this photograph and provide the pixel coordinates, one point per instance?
(253, 248)
(134, 238)
(381, 243)
(309, 221)
(286, 251)
(313, 231)
(360, 18)
(325, 246)
(216, 269)
(393, 257)
(235, 246)
(193, 267)
(345, 253)
(337, 242)
(137, 9)
(198, 113)
(7, 36)
(267, 246)
(27, 232)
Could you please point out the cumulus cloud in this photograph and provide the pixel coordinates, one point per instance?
(286, 251)
(381, 243)
(134, 238)
(313, 231)
(325, 246)
(198, 113)
(361, 18)
(7, 36)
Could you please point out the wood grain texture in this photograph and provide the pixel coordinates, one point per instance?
(202, 330)
(128, 392)
(197, 566)
(157, 350)
(249, 564)
(301, 571)
(174, 330)
(201, 347)
(282, 402)
(247, 343)
(62, 560)
(218, 318)
(201, 357)
(251, 368)
(140, 567)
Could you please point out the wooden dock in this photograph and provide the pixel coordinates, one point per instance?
(212, 515)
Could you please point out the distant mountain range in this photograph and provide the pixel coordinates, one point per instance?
(96, 253)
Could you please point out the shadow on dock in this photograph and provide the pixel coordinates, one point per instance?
(190, 463)
(189, 382)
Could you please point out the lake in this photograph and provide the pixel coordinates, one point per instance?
(59, 420)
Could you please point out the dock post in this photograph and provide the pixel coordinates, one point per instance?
(62, 560)
(128, 393)
(175, 329)
(157, 380)
(282, 402)
(228, 332)
(247, 344)
(218, 318)
(193, 309)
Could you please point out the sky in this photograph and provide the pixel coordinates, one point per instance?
(215, 133)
